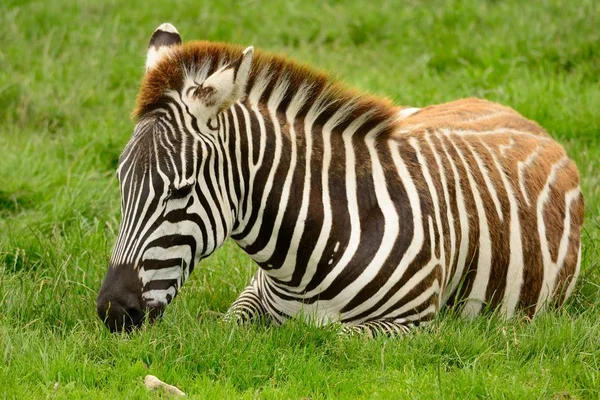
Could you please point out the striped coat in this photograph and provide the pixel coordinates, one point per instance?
(356, 210)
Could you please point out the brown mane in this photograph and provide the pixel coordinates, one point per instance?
(207, 57)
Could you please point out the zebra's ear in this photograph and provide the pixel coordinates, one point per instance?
(162, 40)
(225, 86)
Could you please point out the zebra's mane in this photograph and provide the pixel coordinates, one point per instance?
(273, 73)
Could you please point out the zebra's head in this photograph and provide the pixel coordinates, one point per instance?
(173, 209)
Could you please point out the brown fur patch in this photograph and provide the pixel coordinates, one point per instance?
(471, 115)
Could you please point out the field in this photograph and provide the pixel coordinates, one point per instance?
(69, 74)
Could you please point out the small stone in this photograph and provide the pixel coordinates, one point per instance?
(153, 383)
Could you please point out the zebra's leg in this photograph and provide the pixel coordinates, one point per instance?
(247, 307)
(383, 327)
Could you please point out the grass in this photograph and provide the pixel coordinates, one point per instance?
(69, 73)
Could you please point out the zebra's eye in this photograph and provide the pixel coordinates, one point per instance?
(181, 192)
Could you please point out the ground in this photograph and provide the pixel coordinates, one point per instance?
(69, 73)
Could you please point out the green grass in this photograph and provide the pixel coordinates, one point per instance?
(69, 73)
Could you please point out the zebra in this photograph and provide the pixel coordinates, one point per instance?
(357, 211)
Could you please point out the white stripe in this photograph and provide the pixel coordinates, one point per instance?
(435, 202)
(504, 131)
(476, 298)
(550, 267)
(447, 264)
(464, 228)
(254, 98)
(217, 204)
(570, 197)
(157, 297)
(514, 275)
(228, 187)
(488, 182)
(168, 253)
(159, 274)
(521, 165)
(407, 112)
(238, 158)
(505, 147)
(244, 214)
(575, 275)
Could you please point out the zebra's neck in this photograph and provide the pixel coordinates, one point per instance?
(292, 164)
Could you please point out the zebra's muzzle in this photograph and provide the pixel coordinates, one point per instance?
(126, 319)
(119, 304)
(120, 319)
